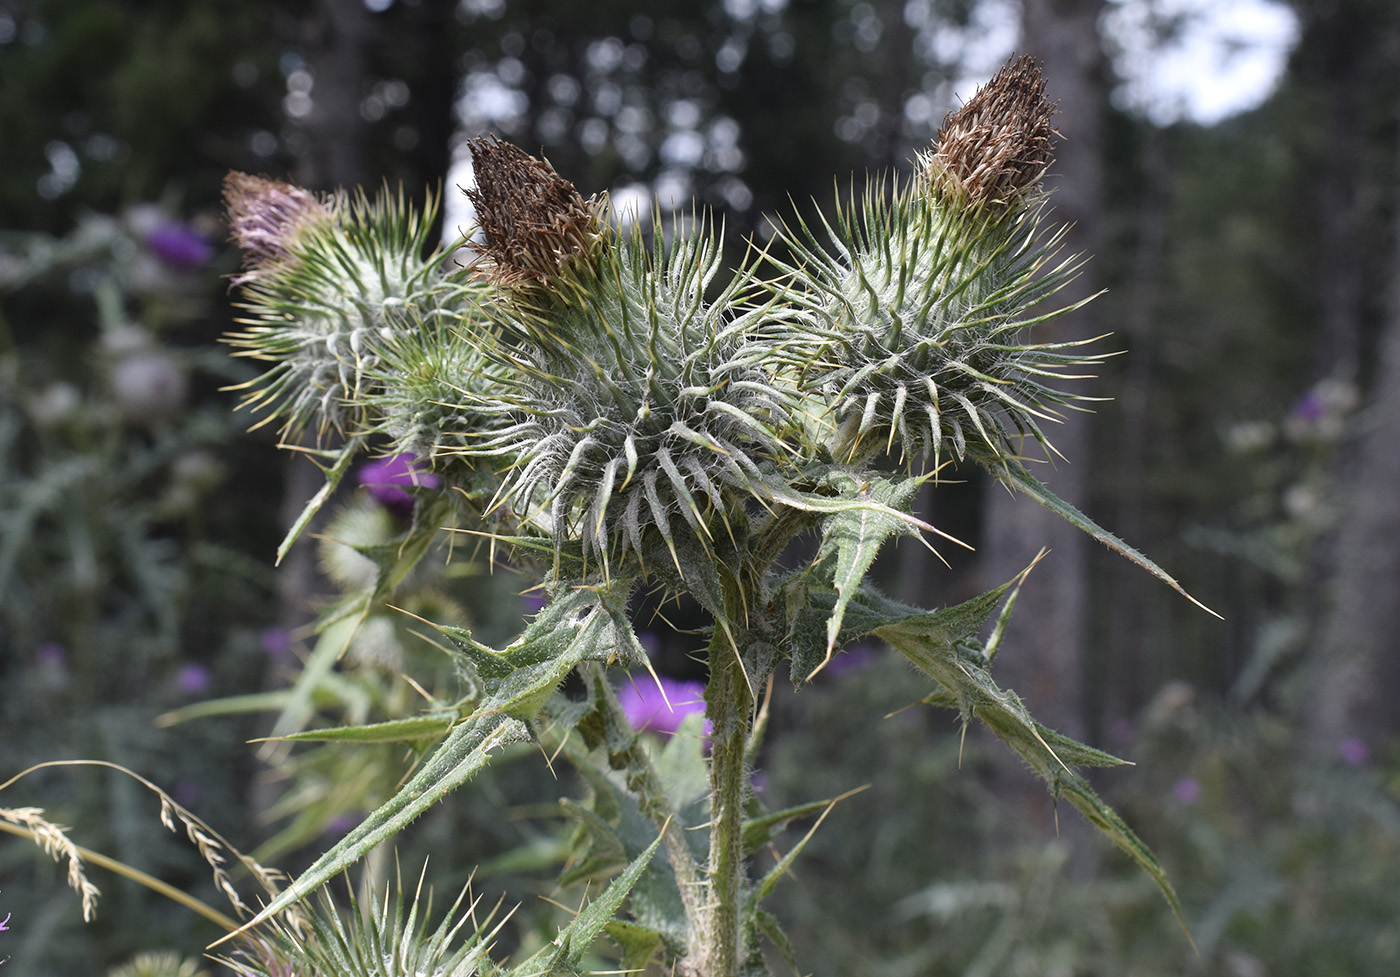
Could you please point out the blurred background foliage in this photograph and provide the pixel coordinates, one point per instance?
(1250, 267)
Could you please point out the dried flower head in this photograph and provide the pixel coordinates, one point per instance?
(995, 148)
(534, 220)
(266, 216)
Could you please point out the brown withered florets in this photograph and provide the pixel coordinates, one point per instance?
(995, 148)
(533, 219)
(264, 217)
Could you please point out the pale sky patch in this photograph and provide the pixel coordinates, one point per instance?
(1198, 61)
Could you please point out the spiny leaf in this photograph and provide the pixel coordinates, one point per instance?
(761, 830)
(938, 649)
(393, 731)
(466, 750)
(1015, 474)
(573, 942)
(339, 466)
(852, 539)
(573, 629)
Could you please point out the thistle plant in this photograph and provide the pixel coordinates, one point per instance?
(620, 415)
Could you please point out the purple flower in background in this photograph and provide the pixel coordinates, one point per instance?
(50, 654)
(342, 823)
(1353, 751)
(852, 659)
(661, 708)
(1187, 790)
(1309, 407)
(194, 679)
(186, 793)
(179, 247)
(1123, 731)
(385, 479)
(277, 642)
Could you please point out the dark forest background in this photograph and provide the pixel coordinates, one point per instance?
(1248, 443)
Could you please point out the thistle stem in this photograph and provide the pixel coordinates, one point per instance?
(729, 708)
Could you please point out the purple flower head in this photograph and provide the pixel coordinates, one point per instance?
(661, 706)
(852, 659)
(1353, 751)
(5, 923)
(384, 478)
(179, 247)
(194, 679)
(277, 642)
(1187, 790)
(1309, 407)
(51, 654)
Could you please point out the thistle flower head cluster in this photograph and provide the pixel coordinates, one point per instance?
(616, 406)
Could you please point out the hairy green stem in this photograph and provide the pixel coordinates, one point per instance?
(729, 706)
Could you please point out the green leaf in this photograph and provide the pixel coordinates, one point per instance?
(339, 466)
(1015, 474)
(770, 880)
(768, 925)
(761, 830)
(466, 750)
(576, 627)
(392, 731)
(582, 624)
(571, 944)
(639, 943)
(232, 705)
(938, 645)
(852, 538)
(606, 852)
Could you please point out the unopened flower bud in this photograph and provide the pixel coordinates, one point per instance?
(994, 149)
(266, 217)
(533, 219)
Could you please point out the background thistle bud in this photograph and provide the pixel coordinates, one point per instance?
(532, 218)
(353, 313)
(995, 148)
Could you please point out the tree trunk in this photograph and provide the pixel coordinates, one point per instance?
(1044, 648)
(1357, 679)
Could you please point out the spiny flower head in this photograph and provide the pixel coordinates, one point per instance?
(627, 420)
(339, 291)
(995, 148)
(634, 423)
(533, 220)
(911, 322)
